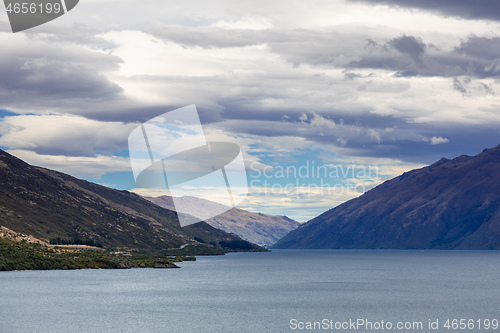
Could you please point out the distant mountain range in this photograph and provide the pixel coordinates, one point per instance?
(53, 206)
(257, 228)
(451, 204)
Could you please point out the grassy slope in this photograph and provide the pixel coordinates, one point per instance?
(31, 256)
(48, 204)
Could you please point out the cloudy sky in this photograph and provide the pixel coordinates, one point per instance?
(351, 86)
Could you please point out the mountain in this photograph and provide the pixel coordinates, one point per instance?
(451, 204)
(53, 206)
(257, 228)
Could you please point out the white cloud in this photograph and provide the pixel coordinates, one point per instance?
(374, 134)
(383, 168)
(63, 134)
(77, 166)
(437, 140)
(251, 23)
(280, 81)
(300, 203)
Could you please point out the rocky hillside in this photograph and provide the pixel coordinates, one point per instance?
(451, 204)
(257, 228)
(50, 206)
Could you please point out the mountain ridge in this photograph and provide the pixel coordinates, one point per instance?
(48, 204)
(258, 228)
(451, 204)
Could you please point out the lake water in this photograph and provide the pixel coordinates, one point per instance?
(262, 292)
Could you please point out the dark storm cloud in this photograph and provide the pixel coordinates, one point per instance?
(462, 140)
(412, 46)
(469, 87)
(235, 109)
(369, 135)
(53, 80)
(406, 55)
(298, 46)
(475, 10)
(409, 56)
(480, 47)
(74, 82)
(43, 76)
(460, 86)
(349, 132)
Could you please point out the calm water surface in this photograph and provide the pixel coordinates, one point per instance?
(259, 292)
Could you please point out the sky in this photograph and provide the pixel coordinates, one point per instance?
(326, 99)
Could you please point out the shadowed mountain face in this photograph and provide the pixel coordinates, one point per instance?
(257, 228)
(48, 204)
(451, 204)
